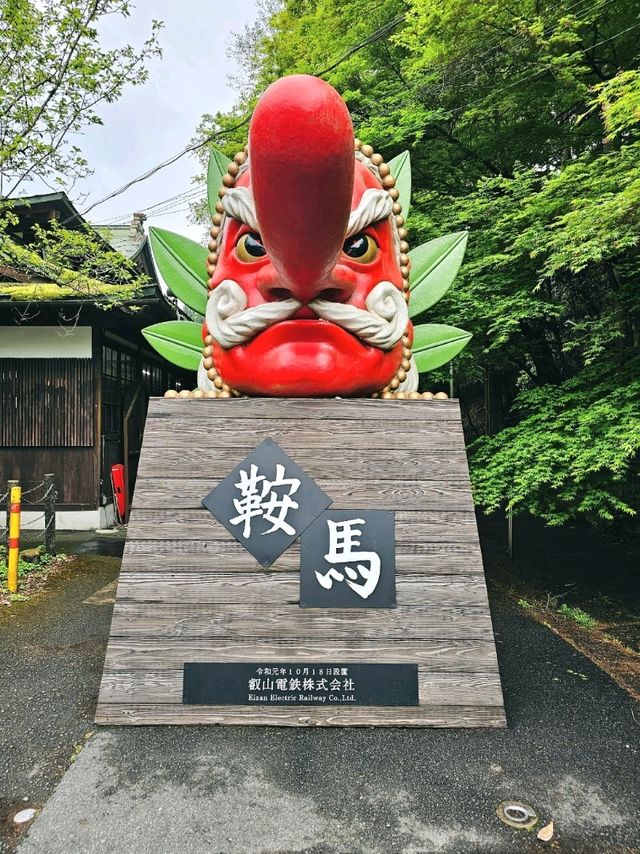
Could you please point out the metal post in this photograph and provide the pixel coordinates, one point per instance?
(14, 540)
(50, 514)
(510, 532)
(10, 485)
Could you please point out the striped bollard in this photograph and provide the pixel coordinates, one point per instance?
(14, 539)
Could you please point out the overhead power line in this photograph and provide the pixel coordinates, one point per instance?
(382, 32)
(543, 69)
(377, 35)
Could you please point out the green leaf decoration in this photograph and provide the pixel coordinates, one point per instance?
(182, 265)
(400, 168)
(434, 266)
(178, 341)
(218, 163)
(435, 344)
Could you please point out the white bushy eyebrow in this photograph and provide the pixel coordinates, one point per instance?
(374, 205)
(238, 203)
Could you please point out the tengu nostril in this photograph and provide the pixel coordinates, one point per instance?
(333, 295)
(280, 293)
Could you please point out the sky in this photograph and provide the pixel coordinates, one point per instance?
(151, 122)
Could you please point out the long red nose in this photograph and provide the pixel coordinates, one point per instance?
(302, 164)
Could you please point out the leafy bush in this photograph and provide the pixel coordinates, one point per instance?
(573, 454)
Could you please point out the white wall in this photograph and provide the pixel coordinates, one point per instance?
(45, 342)
(66, 520)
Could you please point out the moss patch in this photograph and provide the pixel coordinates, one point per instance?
(83, 288)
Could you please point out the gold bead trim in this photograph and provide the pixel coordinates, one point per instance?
(411, 395)
(388, 182)
(222, 389)
(228, 180)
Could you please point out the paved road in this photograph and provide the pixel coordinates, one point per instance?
(571, 750)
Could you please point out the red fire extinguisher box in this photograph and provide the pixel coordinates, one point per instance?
(119, 494)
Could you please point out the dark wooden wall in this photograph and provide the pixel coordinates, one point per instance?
(74, 469)
(46, 402)
(48, 425)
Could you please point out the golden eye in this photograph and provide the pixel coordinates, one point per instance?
(250, 247)
(361, 248)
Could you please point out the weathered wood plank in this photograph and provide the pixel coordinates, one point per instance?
(412, 526)
(150, 555)
(364, 464)
(419, 716)
(295, 437)
(426, 496)
(236, 622)
(434, 689)
(460, 655)
(283, 409)
(192, 587)
(215, 549)
(412, 565)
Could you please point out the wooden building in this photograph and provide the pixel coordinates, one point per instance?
(75, 376)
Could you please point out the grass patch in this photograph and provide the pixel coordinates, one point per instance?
(31, 574)
(577, 615)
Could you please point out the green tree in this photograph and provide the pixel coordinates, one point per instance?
(54, 75)
(64, 263)
(522, 121)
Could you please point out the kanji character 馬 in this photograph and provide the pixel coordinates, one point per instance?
(343, 549)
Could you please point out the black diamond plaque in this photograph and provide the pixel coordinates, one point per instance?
(347, 560)
(266, 502)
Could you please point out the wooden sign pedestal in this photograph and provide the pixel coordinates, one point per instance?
(188, 592)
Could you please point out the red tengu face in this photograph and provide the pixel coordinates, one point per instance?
(307, 296)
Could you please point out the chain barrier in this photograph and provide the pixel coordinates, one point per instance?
(34, 489)
(32, 521)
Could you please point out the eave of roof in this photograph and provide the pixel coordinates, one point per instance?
(46, 199)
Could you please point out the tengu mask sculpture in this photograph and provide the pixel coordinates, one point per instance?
(308, 270)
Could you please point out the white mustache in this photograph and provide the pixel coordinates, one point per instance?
(382, 324)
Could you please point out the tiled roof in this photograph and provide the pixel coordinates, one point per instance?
(122, 238)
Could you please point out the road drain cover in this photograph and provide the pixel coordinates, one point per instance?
(517, 814)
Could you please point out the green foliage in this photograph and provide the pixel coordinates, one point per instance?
(43, 562)
(54, 76)
(65, 263)
(178, 341)
(574, 451)
(577, 615)
(182, 265)
(522, 123)
(618, 100)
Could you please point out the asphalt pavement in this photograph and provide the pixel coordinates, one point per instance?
(570, 751)
(52, 651)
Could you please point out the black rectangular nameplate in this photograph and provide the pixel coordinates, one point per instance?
(241, 684)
